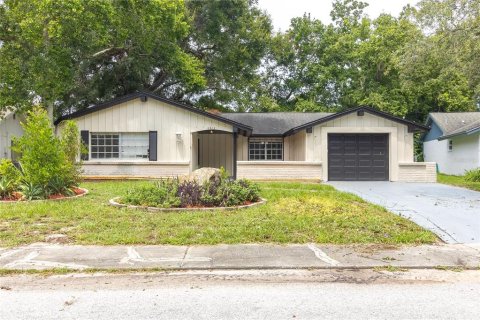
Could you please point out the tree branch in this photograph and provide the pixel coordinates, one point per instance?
(110, 52)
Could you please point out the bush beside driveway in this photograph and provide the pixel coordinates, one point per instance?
(294, 213)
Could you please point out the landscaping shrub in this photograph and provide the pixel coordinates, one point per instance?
(48, 164)
(159, 194)
(7, 187)
(32, 191)
(190, 193)
(187, 194)
(9, 172)
(473, 175)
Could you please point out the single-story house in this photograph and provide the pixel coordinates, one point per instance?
(453, 141)
(145, 135)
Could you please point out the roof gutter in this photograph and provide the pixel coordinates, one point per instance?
(466, 132)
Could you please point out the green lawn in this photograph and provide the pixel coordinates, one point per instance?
(458, 181)
(295, 213)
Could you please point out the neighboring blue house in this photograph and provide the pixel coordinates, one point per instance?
(453, 141)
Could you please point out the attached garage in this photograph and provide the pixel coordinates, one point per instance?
(358, 157)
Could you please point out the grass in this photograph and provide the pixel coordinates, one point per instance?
(390, 268)
(64, 271)
(295, 213)
(458, 181)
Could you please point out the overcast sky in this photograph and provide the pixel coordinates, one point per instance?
(282, 11)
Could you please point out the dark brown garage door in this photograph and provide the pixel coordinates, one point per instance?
(362, 157)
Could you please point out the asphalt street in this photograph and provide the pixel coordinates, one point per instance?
(224, 295)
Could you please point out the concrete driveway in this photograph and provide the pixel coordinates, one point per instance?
(452, 213)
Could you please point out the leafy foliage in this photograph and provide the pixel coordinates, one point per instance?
(72, 147)
(224, 55)
(473, 175)
(169, 193)
(9, 172)
(47, 163)
(32, 191)
(42, 155)
(74, 53)
(159, 194)
(7, 187)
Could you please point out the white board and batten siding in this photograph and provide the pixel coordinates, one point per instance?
(174, 156)
(10, 128)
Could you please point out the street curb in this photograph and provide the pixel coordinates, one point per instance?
(262, 268)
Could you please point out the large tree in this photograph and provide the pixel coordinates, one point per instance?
(69, 54)
(439, 68)
(424, 60)
(230, 38)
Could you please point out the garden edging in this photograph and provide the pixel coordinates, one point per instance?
(113, 202)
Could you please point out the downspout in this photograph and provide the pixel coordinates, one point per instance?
(234, 166)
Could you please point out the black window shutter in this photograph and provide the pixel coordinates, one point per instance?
(85, 137)
(152, 145)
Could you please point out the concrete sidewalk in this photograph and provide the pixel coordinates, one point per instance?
(248, 256)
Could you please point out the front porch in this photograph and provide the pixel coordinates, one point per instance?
(215, 149)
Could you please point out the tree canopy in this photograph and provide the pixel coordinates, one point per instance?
(224, 55)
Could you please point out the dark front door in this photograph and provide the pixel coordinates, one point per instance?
(357, 157)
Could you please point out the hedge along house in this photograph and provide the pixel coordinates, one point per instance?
(148, 136)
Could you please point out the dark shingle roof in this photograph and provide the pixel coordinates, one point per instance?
(456, 123)
(274, 123)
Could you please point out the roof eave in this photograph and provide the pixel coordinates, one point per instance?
(466, 133)
(415, 126)
(139, 94)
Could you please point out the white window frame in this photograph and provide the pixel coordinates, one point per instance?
(265, 142)
(122, 148)
(450, 145)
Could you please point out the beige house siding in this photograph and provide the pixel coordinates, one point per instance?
(242, 148)
(136, 169)
(294, 147)
(174, 156)
(271, 170)
(305, 154)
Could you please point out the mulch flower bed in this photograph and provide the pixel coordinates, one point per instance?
(18, 197)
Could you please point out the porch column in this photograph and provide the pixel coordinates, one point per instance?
(234, 157)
